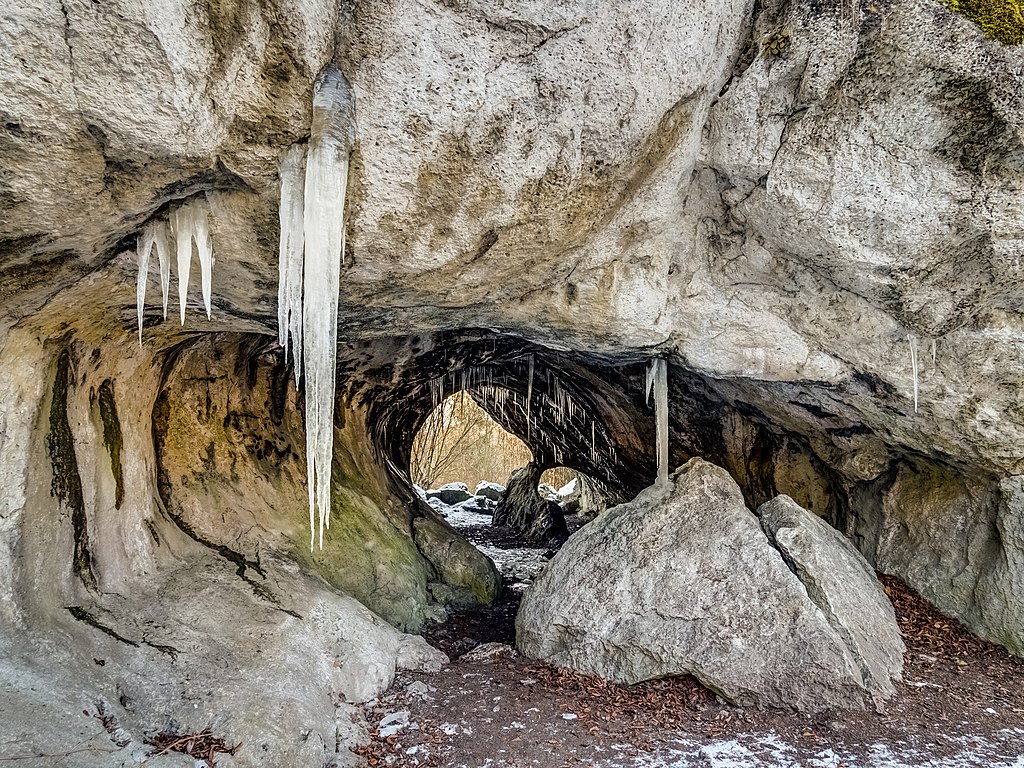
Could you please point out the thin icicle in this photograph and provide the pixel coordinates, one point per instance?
(162, 240)
(331, 139)
(657, 376)
(289, 265)
(933, 351)
(529, 395)
(142, 249)
(913, 365)
(181, 223)
(649, 383)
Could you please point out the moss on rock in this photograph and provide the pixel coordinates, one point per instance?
(1001, 20)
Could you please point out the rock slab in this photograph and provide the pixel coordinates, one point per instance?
(683, 580)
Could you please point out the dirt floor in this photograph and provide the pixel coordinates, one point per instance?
(961, 704)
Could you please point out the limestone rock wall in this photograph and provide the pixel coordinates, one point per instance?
(606, 181)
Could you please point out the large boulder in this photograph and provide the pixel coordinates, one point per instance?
(683, 580)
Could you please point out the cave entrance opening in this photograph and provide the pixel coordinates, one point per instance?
(459, 442)
(490, 486)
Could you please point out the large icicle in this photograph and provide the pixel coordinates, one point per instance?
(191, 223)
(657, 376)
(289, 284)
(331, 139)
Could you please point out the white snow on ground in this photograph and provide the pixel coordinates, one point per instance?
(484, 485)
(523, 564)
(451, 487)
(1004, 750)
(462, 515)
(567, 490)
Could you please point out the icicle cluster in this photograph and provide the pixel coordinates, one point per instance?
(657, 380)
(556, 404)
(188, 224)
(312, 247)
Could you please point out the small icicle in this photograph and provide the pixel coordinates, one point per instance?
(933, 351)
(658, 374)
(649, 382)
(913, 365)
(162, 241)
(181, 223)
(529, 395)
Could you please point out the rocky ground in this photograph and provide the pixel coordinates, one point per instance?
(961, 703)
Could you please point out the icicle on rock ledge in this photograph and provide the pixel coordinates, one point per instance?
(312, 246)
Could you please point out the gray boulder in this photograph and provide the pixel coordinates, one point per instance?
(683, 580)
(450, 493)
(489, 490)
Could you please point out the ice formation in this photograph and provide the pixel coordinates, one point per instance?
(154, 235)
(204, 247)
(189, 222)
(163, 254)
(529, 397)
(181, 224)
(313, 253)
(289, 286)
(913, 365)
(657, 379)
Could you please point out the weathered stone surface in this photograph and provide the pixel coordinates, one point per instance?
(204, 648)
(958, 542)
(683, 580)
(609, 180)
(843, 586)
(458, 563)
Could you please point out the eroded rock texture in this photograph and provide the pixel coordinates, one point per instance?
(683, 580)
(592, 183)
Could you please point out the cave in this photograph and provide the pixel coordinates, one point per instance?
(806, 217)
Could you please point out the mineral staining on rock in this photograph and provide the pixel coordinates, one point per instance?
(683, 580)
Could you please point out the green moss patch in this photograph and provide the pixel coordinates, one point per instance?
(1001, 20)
